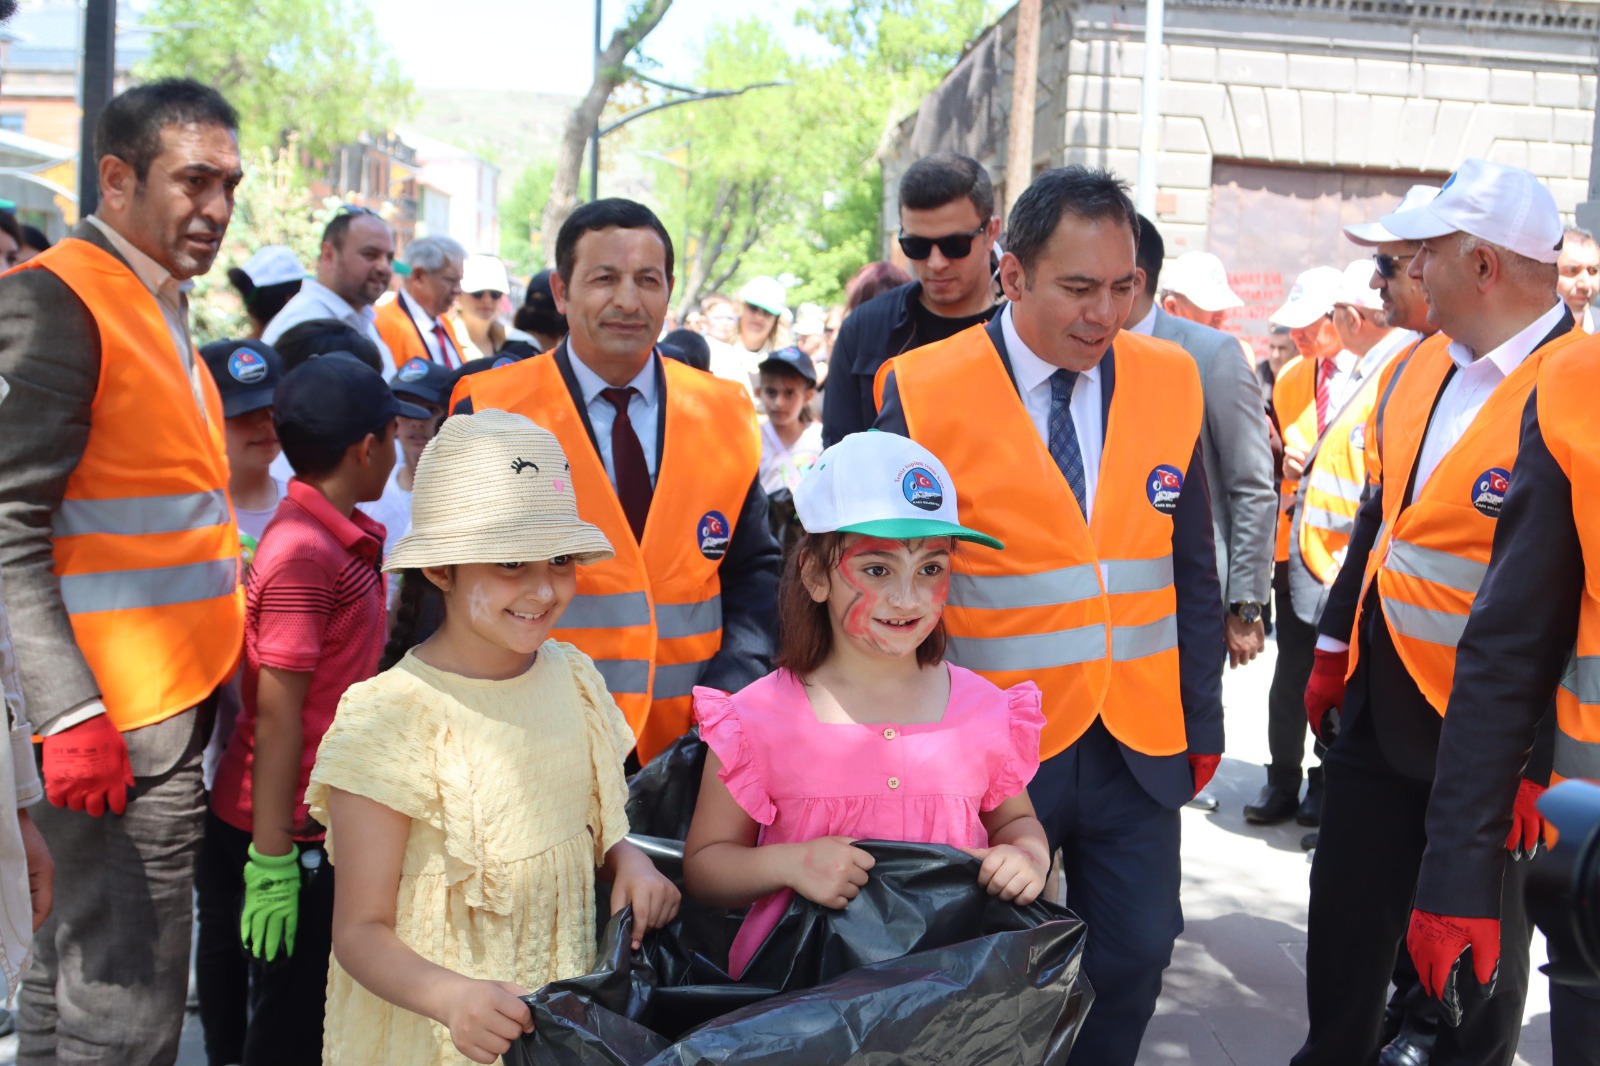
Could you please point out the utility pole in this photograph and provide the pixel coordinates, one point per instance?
(594, 135)
(1024, 87)
(96, 86)
(1150, 108)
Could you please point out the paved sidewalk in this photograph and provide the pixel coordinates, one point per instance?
(1235, 995)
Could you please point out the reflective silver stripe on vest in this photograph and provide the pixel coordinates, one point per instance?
(1441, 568)
(137, 515)
(1067, 585)
(1137, 642)
(679, 679)
(127, 590)
(1576, 758)
(1324, 481)
(625, 675)
(688, 619)
(1137, 575)
(1582, 678)
(615, 610)
(1037, 651)
(1317, 518)
(1424, 623)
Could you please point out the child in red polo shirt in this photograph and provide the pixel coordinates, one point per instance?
(314, 626)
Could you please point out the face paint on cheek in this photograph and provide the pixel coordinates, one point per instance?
(858, 612)
(478, 603)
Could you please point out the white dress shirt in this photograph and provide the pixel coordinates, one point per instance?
(316, 300)
(644, 411)
(1033, 386)
(1146, 326)
(425, 324)
(1470, 387)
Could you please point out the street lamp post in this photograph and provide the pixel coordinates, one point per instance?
(97, 84)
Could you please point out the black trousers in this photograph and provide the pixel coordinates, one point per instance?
(1286, 699)
(1574, 1025)
(1363, 883)
(255, 1014)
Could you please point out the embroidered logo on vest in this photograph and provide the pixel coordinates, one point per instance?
(711, 533)
(1489, 491)
(1163, 487)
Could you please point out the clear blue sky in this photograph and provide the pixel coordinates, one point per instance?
(547, 46)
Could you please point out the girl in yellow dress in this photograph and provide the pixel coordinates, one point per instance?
(471, 791)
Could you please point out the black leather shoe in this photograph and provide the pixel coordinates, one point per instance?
(1273, 806)
(1310, 812)
(1403, 1051)
(1308, 842)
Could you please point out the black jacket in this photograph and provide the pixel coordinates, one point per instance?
(870, 336)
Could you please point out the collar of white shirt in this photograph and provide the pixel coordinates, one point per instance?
(339, 307)
(1029, 370)
(147, 270)
(1146, 326)
(1515, 351)
(591, 384)
(418, 315)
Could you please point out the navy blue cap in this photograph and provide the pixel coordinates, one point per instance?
(423, 379)
(792, 359)
(246, 372)
(335, 400)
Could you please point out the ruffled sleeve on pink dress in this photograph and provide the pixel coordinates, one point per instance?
(927, 783)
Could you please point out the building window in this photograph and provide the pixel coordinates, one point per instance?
(11, 122)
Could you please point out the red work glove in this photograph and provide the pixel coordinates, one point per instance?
(86, 768)
(1325, 691)
(1437, 943)
(1203, 767)
(1527, 827)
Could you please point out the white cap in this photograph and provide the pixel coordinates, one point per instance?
(484, 273)
(765, 293)
(1200, 278)
(881, 485)
(274, 264)
(1503, 205)
(809, 320)
(1358, 290)
(1314, 294)
(1371, 233)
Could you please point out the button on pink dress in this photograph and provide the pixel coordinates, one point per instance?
(927, 783)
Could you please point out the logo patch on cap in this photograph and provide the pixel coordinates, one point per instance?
(1163, 487)
(712, 533)
(414, 370)
(1489, 491)
(504, 360)
(922, 490)
(246, 367)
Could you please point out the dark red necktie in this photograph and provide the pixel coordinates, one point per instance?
(444, 346)
(627, 463)
(1324, 392)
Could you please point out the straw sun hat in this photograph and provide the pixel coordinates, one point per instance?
(494, 488)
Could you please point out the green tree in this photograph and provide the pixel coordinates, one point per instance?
(316, 67)
(520, 216)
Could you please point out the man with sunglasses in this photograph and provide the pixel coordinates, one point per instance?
(353, 270)
(1486, 249)
(947, 230)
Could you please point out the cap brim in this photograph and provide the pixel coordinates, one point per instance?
(919, 529)
(428, 396)
(584, 542)
(1214, 300)
(1299, 315)
(410, 410)
(1417, 224)
(779, 364)
(242, 403)
(1369, 234)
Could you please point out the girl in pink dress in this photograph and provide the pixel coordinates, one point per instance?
(863, 731)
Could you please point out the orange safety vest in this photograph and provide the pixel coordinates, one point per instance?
(1565, 405)
(650, 618)
(146, 548)
(1292, 393)
(1087, 611)
(404, 339)
(1430, 555)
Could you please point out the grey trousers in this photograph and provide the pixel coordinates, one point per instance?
(111, 967)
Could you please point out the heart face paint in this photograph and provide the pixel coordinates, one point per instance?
(886, 596)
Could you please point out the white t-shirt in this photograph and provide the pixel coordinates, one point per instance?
(254, 523)
(393, 509)
(781, 465)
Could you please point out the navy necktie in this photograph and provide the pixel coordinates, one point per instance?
(1064, 435)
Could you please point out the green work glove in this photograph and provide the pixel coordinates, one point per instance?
(271, 903)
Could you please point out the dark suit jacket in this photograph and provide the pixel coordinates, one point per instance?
(749, 572)
(1167, 778)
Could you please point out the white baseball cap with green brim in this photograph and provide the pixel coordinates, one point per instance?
(882, 485)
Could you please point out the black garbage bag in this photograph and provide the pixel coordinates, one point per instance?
(662, 795)
(924, 966)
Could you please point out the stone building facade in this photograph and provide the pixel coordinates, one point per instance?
(1283, 120)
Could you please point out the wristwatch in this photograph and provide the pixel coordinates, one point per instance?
(1246, 611)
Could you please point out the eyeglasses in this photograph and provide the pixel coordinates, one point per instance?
(481, 293)
(1387, 264)
(951, 246)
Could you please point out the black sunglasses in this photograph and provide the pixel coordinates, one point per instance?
(951, 246)
(1388, 264)
(481, 293)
